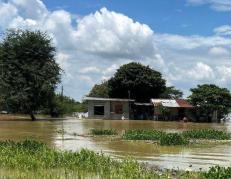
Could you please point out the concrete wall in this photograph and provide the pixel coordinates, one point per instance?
(109, 110)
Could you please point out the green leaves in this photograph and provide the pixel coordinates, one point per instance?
(209, 98)
(103, 132)
(141, 81)
(207, 134)
(30, 73)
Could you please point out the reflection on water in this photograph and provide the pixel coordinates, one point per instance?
(199, 156)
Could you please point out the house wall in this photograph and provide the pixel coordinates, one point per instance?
(125, 110)
(106, 105)
(109, 110)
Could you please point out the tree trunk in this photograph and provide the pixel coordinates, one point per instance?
(33, 118)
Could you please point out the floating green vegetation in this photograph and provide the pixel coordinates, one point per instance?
(142, 134)
(173, 139)
(206, 134)
(31, 158)
(103, 132)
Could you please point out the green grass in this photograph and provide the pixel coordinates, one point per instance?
(103, 132)
(32, 159)
(206, 134)
(218, 172)
(29, 158)
(142, 134)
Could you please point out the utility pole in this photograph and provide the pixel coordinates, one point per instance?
(129, 105)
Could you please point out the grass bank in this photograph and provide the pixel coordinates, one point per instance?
(34, 159)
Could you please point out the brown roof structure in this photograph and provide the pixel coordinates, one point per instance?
(183, 103)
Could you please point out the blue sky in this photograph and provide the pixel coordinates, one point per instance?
(188, 41)
(165, 16)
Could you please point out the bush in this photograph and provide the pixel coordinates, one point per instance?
(206, 134)
(103, 132)
(143, 135)
(173, 139)
(218, 173)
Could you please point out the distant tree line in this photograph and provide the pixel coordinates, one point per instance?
(141, 83)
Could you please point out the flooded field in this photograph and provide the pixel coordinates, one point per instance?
(199, 156)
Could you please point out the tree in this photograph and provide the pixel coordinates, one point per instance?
(137, 81)
(29, 71)
(100, 90)
(62, 105)
(172, 93)
(210, 98)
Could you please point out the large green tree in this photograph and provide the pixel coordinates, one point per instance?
(29, 73)
(137, 81)
(172, 93)
(210, 98)
(100, 90)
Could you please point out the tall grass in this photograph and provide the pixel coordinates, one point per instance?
(218, 172)
(32, 159)
(34, 156)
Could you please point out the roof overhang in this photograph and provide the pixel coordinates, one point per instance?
(108, 99)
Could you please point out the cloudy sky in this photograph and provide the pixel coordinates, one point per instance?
(188, 41)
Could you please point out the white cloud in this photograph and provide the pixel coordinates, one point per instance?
(86, 79)
(93, 50)
(201, 72)
(218, 51)
(90, 70)
(223, 30)
(218, 5)
(110, 34)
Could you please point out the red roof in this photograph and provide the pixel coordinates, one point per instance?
(183, 103)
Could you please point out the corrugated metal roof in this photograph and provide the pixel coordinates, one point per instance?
(183, 103)
(172, 103)
(107, 99)
(165, 102)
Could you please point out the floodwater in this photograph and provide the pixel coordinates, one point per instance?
(181, 157)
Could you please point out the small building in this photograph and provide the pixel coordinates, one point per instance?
(109, 108)
(143, 111)
(171, 109)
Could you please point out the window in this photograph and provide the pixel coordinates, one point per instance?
(99, 110)
(119, 109)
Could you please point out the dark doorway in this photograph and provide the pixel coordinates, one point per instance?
(143, 111)
(99, 110)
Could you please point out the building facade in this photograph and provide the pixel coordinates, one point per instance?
(109, 108)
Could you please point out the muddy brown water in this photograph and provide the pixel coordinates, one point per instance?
(178, 157)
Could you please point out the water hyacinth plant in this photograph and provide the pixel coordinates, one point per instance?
(173, 139)
(142, 134)
(103, 132)
(207, 134)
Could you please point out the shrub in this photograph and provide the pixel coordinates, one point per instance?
(103, 132)
(206, 134)
(218, 173)
(173, 139)
(143, 135)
